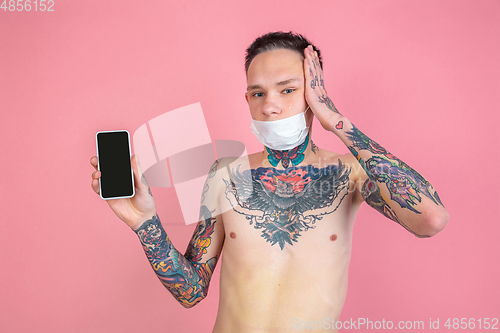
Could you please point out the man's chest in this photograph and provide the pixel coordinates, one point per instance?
(282, 207)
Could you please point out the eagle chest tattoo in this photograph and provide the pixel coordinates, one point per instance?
(285, 203)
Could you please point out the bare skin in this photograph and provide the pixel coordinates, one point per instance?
(263, 287)
(287, 240)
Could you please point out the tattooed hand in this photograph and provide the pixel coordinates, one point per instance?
(316, 96)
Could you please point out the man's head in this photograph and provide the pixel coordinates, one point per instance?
(278, 40)
(275, 76)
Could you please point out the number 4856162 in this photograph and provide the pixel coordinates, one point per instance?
(27, 5)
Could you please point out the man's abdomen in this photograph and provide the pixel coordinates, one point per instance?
(264, 287)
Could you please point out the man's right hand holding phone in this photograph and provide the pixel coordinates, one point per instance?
(133, 211)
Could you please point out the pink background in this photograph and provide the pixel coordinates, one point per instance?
(419, 77)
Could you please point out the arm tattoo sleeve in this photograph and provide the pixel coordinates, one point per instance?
(185, 277)
(406, 186)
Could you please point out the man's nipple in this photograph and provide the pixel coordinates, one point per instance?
(232, 235)
(333, 238)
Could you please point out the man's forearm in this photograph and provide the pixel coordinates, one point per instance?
(394, 188)
(184, 277)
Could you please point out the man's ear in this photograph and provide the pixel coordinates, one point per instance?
(246, 97)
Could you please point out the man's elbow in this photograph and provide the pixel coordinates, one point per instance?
(435, 224)
(190, 305)
(191, 302)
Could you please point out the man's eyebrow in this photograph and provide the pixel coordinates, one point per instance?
(281, 83)
(284, 83)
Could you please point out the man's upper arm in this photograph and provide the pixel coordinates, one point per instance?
(359, 177)
(205, 245)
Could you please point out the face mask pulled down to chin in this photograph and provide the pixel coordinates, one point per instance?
(283, 134)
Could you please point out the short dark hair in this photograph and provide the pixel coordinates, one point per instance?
(278, 40)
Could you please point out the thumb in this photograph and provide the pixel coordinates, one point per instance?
(140, 180)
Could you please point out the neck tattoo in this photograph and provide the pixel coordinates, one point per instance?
(292, 156)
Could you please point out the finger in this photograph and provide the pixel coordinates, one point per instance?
(307, 54)
(93, 161)
(95, 185)
(308, 67)
(310, 76)
(95, 180)
(139, 178)
(315, 80)
(312, 61)
(321, 83)
(316, 59)
(319, 71)
(310, 55)
(315, 73)
(96, 174)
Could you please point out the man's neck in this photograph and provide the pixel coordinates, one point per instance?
(291, 157)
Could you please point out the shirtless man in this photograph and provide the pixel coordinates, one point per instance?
(285, 216)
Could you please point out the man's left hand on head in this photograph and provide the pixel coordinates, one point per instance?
(315, 92)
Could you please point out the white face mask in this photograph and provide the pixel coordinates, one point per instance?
(283, 134)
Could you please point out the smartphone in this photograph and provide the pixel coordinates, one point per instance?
(113, 160)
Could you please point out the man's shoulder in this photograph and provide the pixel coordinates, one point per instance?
(329, 157)
(250, 161)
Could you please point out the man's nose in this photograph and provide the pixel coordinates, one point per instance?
(271, 106)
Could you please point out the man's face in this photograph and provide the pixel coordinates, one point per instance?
(275, 86)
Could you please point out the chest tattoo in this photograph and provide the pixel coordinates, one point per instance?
(285, 203)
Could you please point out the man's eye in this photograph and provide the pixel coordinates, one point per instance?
(257, 94)
(288, 91)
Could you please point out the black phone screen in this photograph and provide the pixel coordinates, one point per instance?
(113, 154)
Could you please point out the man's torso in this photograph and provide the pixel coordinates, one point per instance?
(287, 246)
